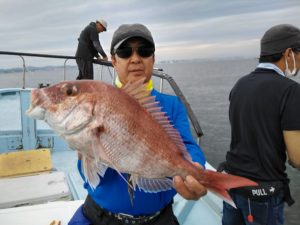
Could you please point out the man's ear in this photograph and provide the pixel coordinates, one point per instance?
(287, 53)
(113, 60)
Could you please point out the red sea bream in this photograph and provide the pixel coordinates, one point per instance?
(123, 129)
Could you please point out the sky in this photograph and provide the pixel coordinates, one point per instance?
(182, 29)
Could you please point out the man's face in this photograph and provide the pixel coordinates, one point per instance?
(99, 27)
(133, 67)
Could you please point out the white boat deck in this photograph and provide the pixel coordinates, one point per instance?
(206, 209)
(48, 187)
(44, 214)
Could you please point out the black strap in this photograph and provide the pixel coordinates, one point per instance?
(96, 214)
(262, 189)
(100, 216)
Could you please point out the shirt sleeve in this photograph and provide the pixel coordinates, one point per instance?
(94, 37)
(290, 119)
(181, 123)
(99, 48)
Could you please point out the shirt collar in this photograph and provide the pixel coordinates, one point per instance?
(119, 84)
(271, 66)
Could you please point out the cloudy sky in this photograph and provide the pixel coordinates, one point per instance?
(182, 29)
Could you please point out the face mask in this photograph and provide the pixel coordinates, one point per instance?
(288, 72)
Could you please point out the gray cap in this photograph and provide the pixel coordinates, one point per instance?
(127, 31)
(278, 38)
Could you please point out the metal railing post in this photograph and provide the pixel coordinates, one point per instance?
(24, 69)
(29, 132)
(65, 62)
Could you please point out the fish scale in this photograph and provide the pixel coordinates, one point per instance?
(114, 149)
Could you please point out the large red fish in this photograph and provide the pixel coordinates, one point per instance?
(123, 129)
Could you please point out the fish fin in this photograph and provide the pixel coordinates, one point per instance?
(121, 175)
(100, 169)
(97, 146)
(93, 166)
(138, 91)
(130, 190)
(223, 194)
(150, 185)
(163, 120)
(91, 171)
(220, 183)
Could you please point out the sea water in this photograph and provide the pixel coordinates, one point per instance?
(206, 85)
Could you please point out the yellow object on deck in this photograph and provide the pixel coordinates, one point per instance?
(25, 162)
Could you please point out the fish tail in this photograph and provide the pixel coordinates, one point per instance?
(221, 183)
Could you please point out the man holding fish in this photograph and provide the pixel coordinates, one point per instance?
(133, 58)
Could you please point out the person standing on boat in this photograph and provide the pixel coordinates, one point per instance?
(89, 47)
(132, 51)
(264, 114)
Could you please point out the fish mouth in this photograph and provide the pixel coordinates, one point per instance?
(36, 112)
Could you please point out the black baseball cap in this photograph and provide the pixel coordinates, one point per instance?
(127, 31)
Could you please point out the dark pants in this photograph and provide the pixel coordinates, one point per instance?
(86, 70)
(99, 216)
(268, 212)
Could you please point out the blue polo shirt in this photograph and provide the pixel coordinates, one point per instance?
(112, 193)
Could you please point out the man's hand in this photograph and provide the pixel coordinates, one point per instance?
(189, 188)
(102, 59)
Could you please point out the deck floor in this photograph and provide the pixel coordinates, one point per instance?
(66, 161)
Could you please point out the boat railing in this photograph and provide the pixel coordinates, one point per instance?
(29, 133)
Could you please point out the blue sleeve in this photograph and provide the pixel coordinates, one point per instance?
(181, 123)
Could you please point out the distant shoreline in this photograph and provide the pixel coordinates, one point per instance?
(51, 68)
(33, 69)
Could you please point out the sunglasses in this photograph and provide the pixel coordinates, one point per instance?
(126, 52)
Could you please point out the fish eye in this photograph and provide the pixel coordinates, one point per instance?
(69, 90)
